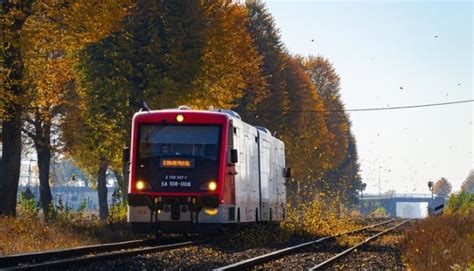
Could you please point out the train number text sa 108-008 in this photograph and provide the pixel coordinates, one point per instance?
(176, 181)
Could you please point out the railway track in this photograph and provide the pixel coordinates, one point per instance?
(266, 258)
(327, 263)
(58, 259)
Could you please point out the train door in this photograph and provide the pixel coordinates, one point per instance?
(274, 180)
(280, 181)
(264, 163)
(253, 171)
(229, 177)
(246, 192)
(240, 185)
(248, 180)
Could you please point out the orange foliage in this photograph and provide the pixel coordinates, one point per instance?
(440, 243)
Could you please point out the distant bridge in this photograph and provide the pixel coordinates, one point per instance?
(369, 203)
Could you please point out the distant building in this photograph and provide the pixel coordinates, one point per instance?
(72, 196)
(70, 190)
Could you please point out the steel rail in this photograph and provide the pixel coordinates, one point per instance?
(101, 257)
(14, 259)
(339, 256)
(282, 252)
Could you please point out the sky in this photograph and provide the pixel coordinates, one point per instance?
(425, 47)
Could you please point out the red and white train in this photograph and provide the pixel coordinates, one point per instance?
(198, 171)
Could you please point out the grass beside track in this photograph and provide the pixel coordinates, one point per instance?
(440, 243)
(22, 235)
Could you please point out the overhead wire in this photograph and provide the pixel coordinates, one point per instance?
(368, 109)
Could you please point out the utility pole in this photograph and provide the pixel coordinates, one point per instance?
(380, 190)
(431, 186)
(362, 188)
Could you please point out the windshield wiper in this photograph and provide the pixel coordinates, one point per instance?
(156, 129)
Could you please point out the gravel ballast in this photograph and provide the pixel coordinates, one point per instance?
(379, 254)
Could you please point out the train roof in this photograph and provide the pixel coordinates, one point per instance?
(228, 112)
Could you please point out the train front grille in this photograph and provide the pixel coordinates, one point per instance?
(175, 212)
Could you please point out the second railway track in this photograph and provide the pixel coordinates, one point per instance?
(329, 262)
(59, 259)
(265, 261)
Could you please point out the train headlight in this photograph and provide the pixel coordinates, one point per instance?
(212, 186)
(140, 185)
(179, 118)
(209, 186)
(211, 211)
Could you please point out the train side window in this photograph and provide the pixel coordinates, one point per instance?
(230, 142)
(230, 139)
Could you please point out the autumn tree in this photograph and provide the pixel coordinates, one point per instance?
(168, 53)
(46, 75)
(348, 171)
(14, 14)
(442, 187)
(341, 186)
(327, 83)
(305, 130)
(291, 106)
(468, 184)
(96, 146)
(51, 38)
(341, 178)
(230, 63)
(266, 39)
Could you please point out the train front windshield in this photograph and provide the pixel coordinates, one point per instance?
(177, 158)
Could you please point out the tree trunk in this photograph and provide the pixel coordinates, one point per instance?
(102, 191)
(10, 165)
(120, 184)
(44, 160)
(11, 125)
(125, 173)
(124, 187)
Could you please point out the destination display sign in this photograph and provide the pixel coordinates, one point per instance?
(177, 162)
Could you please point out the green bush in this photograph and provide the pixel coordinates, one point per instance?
(27, 206)
(118, 209)
(379, 212)
(82, 206)
(118, 212)
(462, 203)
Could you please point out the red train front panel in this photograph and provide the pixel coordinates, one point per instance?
(179, 172)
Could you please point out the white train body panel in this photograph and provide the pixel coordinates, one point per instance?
(260, 180)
